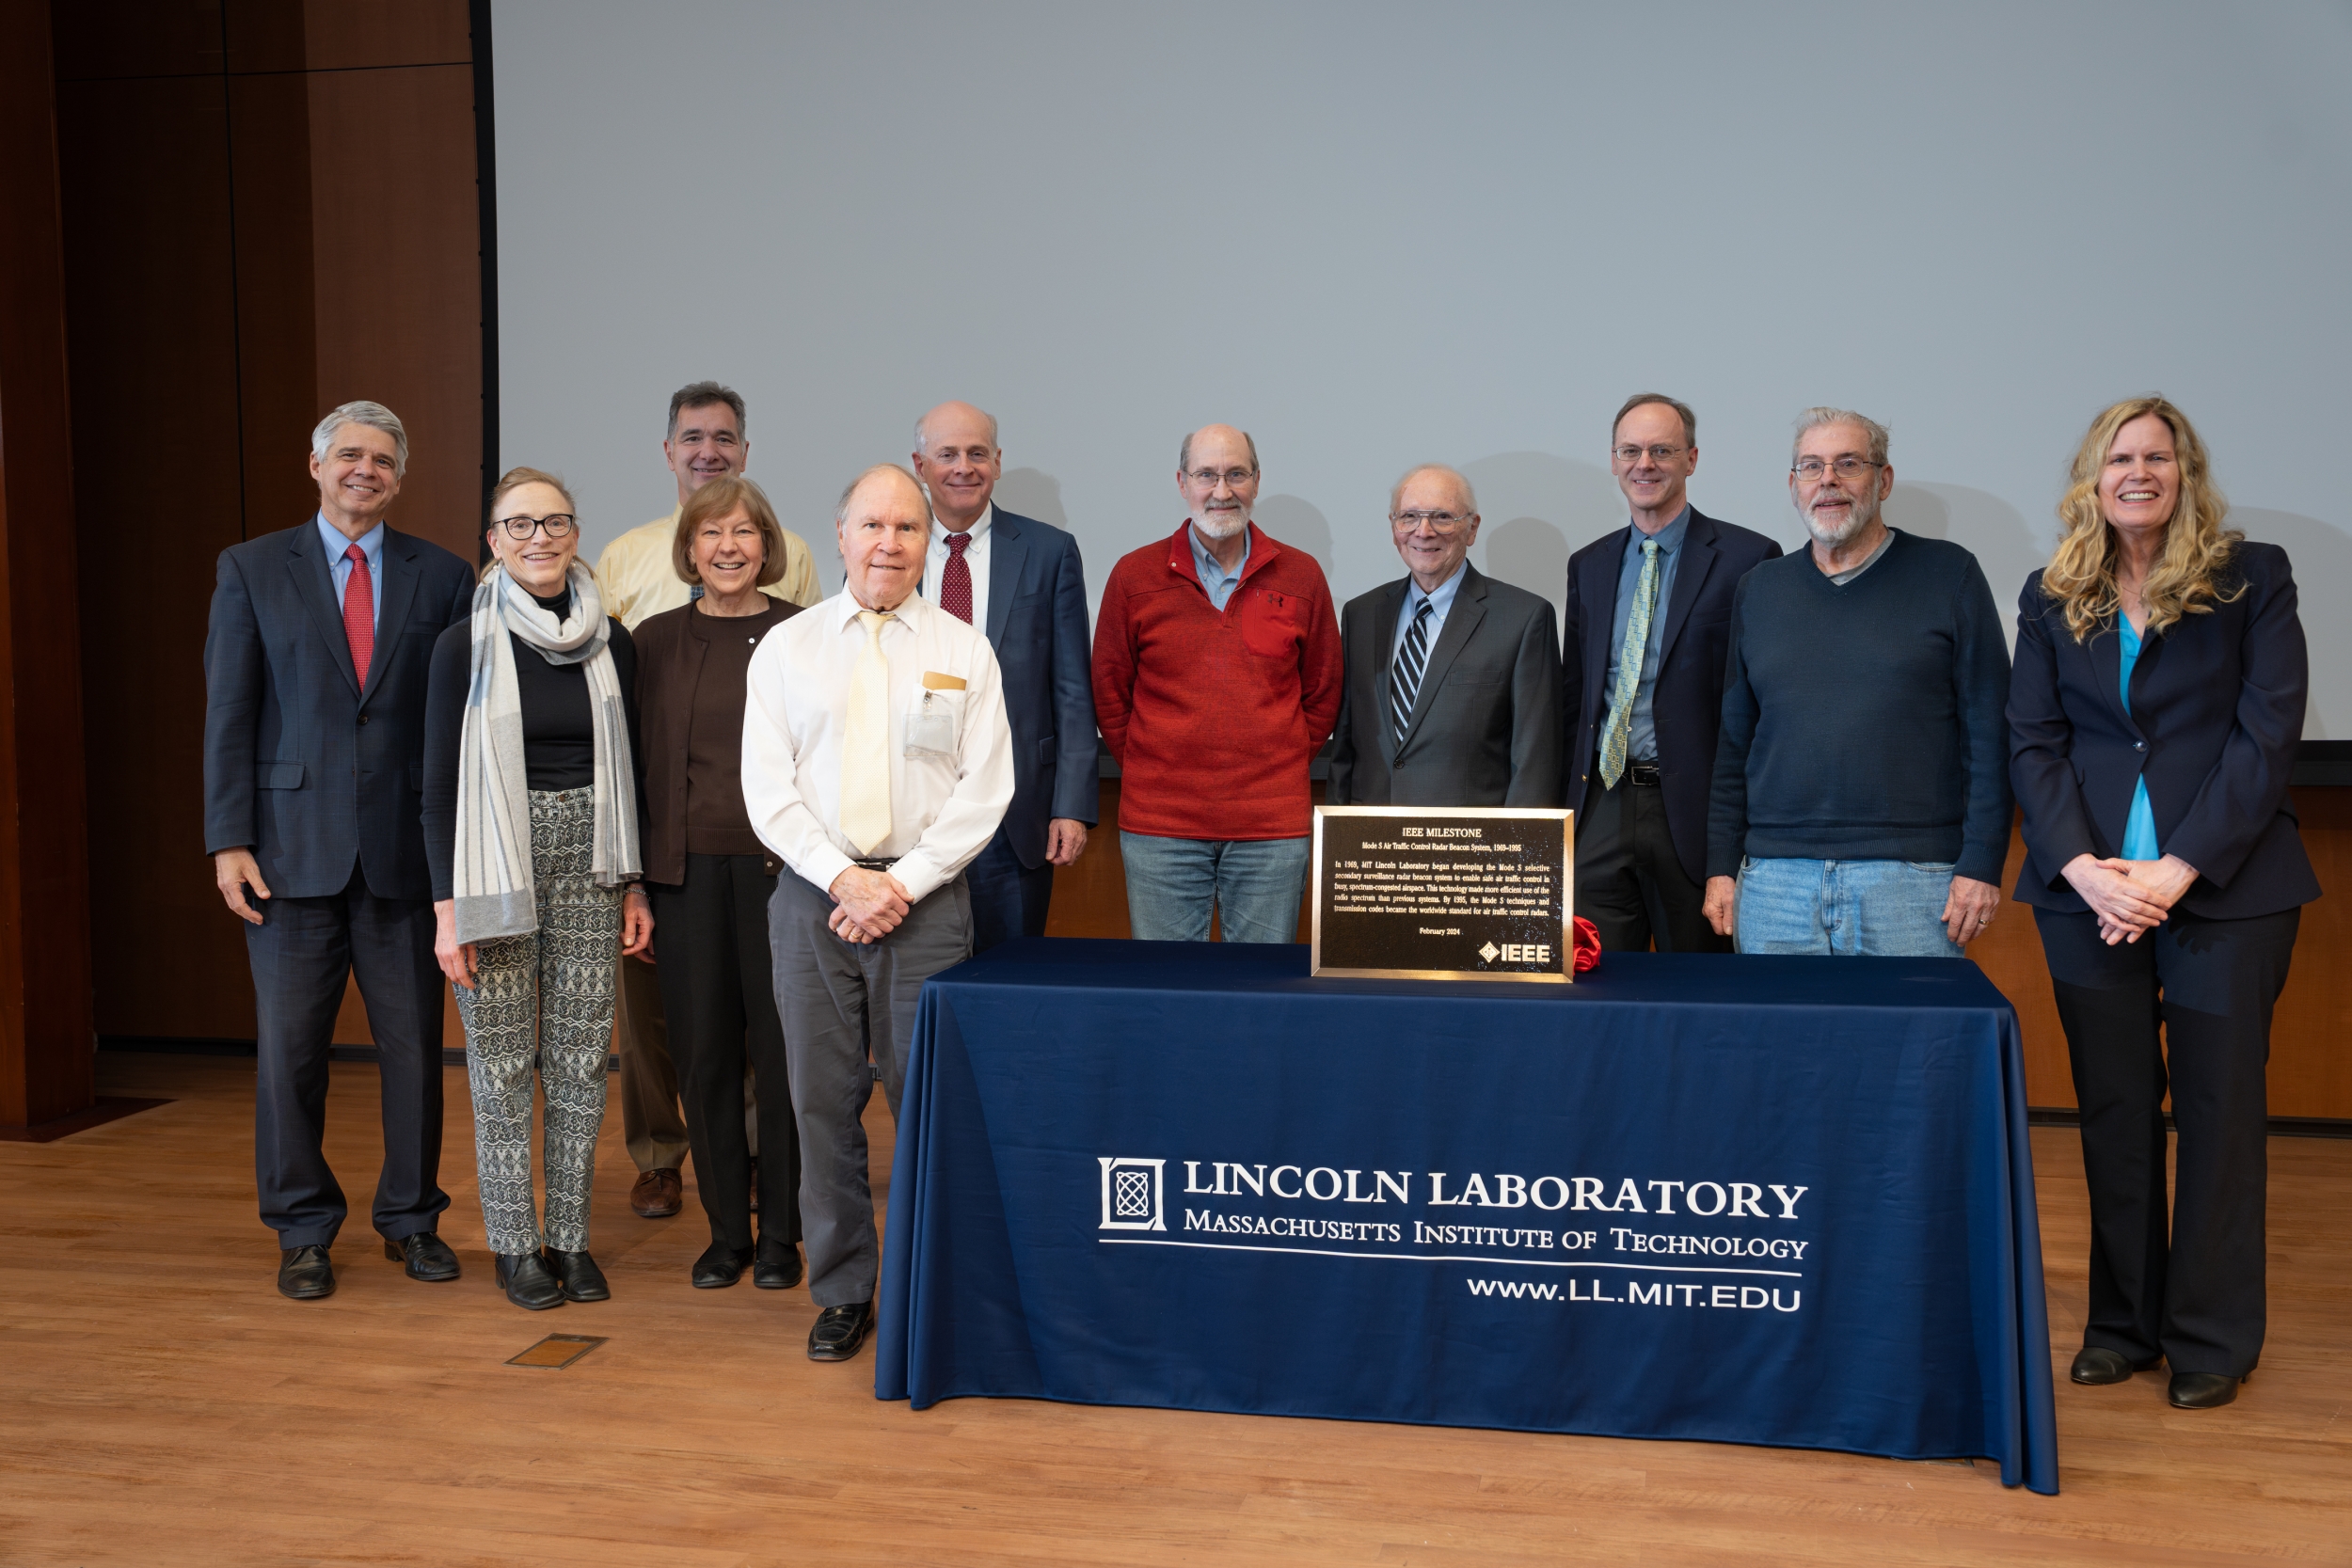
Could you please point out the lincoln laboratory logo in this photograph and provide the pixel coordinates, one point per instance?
(1132, 1194)
(1488, 951)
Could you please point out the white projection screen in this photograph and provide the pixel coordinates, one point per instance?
(1378, 234)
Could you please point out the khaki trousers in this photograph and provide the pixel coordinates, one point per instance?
(651, 1120)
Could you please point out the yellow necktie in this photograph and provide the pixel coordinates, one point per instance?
(865, 743)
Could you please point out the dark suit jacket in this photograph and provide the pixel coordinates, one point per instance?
(2217, 714)
(1485, 729)
(1037, 622)
(1687, 704)
(300, 764)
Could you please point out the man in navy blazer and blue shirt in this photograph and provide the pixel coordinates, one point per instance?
(1643, 728)
(314, 677)
(1021, 583)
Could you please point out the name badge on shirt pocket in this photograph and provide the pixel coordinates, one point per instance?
(932, 721)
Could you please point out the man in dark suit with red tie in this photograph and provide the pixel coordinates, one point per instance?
(1021, 582)
(1645, 629)
(314, 677)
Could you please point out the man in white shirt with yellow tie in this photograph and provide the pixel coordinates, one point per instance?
(877, 764)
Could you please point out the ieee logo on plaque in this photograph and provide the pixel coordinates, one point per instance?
(1134, 1194)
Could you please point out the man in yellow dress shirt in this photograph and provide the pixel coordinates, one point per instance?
(639, 578)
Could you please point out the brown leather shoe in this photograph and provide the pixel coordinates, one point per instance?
(656, 1194)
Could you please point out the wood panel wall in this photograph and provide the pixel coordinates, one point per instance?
(45, 1031)
(270, 208)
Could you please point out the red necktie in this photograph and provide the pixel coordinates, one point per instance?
(955, 583)
(359, 612)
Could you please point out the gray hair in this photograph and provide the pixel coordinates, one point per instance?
(1682, 410)
(1814, 418)
(922, 441)
(1461, 481)
(702, 395)
(375, 417)
(841, 508)
(1183, 454)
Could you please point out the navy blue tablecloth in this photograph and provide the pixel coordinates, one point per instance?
(1767, 1200)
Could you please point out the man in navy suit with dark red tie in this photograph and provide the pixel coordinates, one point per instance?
(1021, 582)
(1645, 629)
(314, 677)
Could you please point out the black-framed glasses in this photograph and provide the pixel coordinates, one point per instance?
(1847, 467)
(558, 524)
(1657, 454)
(1208, 479)
(1444, 522)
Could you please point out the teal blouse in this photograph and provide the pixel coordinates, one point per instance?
(2139, 829)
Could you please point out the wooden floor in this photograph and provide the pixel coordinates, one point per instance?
(160, 1403)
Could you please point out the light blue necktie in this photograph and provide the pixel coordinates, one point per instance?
(1618, 734)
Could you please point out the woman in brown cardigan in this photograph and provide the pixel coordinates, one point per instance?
(710, 880)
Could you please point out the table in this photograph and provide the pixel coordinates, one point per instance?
(1774, 1200)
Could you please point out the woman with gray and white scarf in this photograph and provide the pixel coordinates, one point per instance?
(532, 801)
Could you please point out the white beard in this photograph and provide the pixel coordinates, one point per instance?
(1222, 525)
(1858, 516)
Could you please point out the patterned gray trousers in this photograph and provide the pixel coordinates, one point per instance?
(545, 999)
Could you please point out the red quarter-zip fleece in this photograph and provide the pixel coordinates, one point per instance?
(1215, 715)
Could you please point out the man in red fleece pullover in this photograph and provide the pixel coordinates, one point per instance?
(1216, 679)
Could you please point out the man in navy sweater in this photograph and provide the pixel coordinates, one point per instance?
(1862, 799)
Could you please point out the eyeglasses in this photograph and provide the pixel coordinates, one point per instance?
(1233, 478)
(1444, 522)
(1656, 454)
(558, 524)
(1811, 467)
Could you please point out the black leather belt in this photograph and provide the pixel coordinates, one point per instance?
(1644, 774)
(876, 865)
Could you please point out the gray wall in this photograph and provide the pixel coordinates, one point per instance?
(1379, 234)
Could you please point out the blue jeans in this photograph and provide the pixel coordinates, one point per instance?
(1879, 908)
(1255, 886)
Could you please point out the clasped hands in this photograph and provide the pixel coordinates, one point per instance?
(2130, 897)
(868, 905)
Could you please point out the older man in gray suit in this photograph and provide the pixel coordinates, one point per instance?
(1453, 689)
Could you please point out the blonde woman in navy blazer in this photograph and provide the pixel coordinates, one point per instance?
(2155, 706)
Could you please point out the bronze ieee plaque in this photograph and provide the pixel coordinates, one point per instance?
(1431, 892)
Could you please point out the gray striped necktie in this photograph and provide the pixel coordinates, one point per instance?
(1405, 678)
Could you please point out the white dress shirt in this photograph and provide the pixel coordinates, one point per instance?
(975, 556)
(944, 807)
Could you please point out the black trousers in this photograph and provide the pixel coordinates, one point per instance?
(2210, 985)
(711, 949)
(303, 954)
(1629, 882)
(1008, 899)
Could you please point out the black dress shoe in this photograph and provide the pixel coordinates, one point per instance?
(2098, 1365)
(777, 1267)
(582, 1279)
(427, 1256)
(524, 1277)
(305, 1274)
(2202, 1391)
(839, 1330)
(720, 1266)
